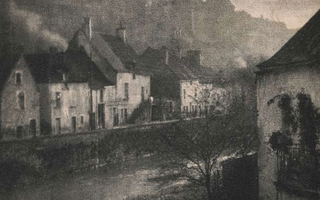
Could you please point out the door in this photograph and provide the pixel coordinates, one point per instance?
(20, 132)
(101, 119)
(115, 117)
(74, 124)
(33, 128)
(58, 126)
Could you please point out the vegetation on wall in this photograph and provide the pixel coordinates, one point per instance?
(299, 164)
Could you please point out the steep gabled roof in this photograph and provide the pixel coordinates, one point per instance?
(82, 69)
(6, 66)
(109, 53)
(97, 53)
(302, 48)
(121, 49)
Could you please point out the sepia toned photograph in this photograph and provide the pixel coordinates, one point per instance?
(159, 99)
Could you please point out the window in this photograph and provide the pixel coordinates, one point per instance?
(18, 78)
(121, 113)
(184, 93)
(33, 128)
(125, 114)
(74, 124)
(126, 91)
(19, 132)
(58, 99)
(170, 107)
(142, 93)
(21, 100)
(81, 119)
(101, 95)
(195, 92)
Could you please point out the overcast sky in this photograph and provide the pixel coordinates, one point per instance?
(294, 13)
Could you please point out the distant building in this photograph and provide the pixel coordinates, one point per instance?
(180, 87)
(19, 95)
(167, 73)
(288, 87)
(126, 99)
(206, 93)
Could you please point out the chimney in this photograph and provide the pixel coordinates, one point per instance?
(121, 32)
(88, 27)
(194, 57)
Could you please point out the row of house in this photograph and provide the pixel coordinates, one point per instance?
(100, 82)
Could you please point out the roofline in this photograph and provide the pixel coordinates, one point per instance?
(279, 67)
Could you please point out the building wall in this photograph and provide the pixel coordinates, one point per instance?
(74, 102)
(291, 81)
(195, 97)
(12, 115)
(116, 97)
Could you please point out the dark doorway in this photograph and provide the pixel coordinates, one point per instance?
(33, 128)
(101, 119)
(115, 117)
(20, 132)
(92, 121)
(74, 124)
(58, 126)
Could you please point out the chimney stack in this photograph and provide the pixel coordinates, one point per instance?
(121, 32)
(88, 27)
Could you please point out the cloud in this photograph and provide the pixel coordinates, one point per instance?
(31, 31)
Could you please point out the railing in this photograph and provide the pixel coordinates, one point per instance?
(298, 168)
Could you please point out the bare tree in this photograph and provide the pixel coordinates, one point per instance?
(195, 146)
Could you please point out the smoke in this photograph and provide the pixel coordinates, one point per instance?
(31, 31)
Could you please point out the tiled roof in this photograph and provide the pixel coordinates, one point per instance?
(82, 69)
(109, 53)
(153, 61)
(203, 74)
(121, 49)
(46, 67)
(303, 47)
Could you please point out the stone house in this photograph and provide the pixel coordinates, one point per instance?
(287, 96)
(168, 74)
(19, 116)
(64, 95)
(181, 87)
(127, 94)
(206, 93)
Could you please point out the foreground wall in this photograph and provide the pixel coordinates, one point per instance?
(290, 81)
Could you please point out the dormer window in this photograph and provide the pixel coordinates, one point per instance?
(18, 78)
